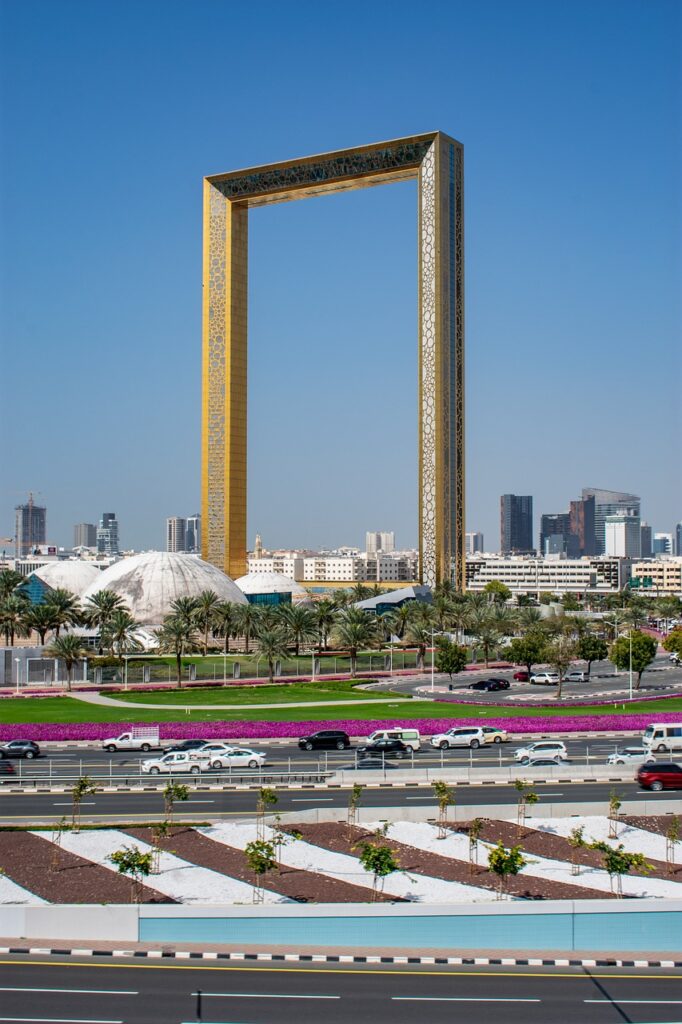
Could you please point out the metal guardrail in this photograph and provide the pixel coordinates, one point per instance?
(197, 780)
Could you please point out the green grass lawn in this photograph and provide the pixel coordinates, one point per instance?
(65, 709)
(261, 694)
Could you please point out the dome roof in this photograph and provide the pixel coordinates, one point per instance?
(74, 576)
(272, 583)
(149, 583)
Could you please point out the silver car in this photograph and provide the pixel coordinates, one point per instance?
(630, 755)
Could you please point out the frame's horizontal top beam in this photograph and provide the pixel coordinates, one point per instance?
(360, 167)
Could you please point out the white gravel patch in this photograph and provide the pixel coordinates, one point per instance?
(297, 853)
(177, 878)
(635, 840)
(10, 892)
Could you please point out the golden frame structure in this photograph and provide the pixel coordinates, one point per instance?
(436, 161)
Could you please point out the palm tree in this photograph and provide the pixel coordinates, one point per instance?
(342, 598)
(70, 650)
(39, 619)
(442, 609)
(247, 622)
(12, 612)
(504, 619)
(299, 624)
(353, 633)
(208, 603)
(185, 608)
(120, 633)
(360, 592)
(272, 645)
(398, 619)
(9, 581)
(419, 634)
(529, 618)
(225, 622)
(324, 615)
(485, 633)
(460, 616)
(65, 608)
(99, 608)
(177, 636)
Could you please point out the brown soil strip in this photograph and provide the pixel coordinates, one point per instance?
(335, 836)
(302, 886)
(61, 877)
(547, 844)
(659, 823)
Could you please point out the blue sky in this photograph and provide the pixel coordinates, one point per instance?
(113, 112)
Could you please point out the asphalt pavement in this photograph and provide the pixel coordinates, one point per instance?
(56, 991)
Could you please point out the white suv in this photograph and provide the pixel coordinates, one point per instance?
(542, 748)
(465, 737)
(576, 677)
(545, 679)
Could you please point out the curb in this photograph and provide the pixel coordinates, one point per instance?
(161, 954)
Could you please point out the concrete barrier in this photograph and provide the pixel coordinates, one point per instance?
(491, 776)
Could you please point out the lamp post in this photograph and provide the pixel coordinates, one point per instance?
(18, 661)
(434, 632)
(630, 664)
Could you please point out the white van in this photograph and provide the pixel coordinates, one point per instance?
(410, 737)
(662, 737)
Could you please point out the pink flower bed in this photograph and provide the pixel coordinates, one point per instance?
(288, 730)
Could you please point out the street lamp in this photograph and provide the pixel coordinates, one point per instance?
(18, 661)
(434, 632)
(630, 664)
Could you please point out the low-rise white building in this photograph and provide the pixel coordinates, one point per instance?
(657, 576)
(283, 565)
(549, 575)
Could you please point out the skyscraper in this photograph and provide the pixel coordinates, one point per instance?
(678, 539)
(646, 535)
(609, 503)
(85, 535)
(582, 525)
(516, 524)
(473, 543)
(623, 536)
(176, 533)
(107, 534)
(663, 544)
(378, 541)
(555, 535)
(193, 533)
(30, 527)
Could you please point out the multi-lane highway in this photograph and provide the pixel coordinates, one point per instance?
(59, 991)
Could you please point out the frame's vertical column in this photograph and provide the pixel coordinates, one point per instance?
(457, 478)
(427, 375)
(224, 382)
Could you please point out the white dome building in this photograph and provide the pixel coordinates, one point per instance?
(272, 588)
(150, 583)
(74, 576)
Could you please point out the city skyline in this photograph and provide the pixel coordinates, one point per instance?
(553, 240)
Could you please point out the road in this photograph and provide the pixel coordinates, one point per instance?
(56, 991)
(16, 808)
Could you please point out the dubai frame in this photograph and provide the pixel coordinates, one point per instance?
(436, 162)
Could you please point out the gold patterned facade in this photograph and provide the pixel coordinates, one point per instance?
(436, 162)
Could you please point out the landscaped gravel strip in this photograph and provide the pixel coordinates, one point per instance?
(182, 881)
(294, 883)
(58, 876)
(298, 853)
(657, 823)
(635, 840)
(447, 859)
(10, 892)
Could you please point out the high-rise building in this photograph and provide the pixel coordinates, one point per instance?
(107, 534)
(556, 537)
(582, 526)
(176, 533)
(30, 527)
(609, 503)
(678, 539)
(85, 535)
(516, 524)
(193, 533)
(378, 542)
(646, 535)
(623, 536)
(663, 544)
(473, 543)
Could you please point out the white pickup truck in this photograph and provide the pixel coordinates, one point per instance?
(140, 737)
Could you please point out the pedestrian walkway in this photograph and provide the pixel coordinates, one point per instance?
(98, 698)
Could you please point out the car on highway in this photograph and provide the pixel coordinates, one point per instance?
(463, 737)
(675, 658)
(185, 745)
(493, 735)
(182, 762)
(237, 757)
(659, 776)
(577, 676)
(410, 737)
(663, 737)
(6, 767)
(489, 685)
(544, 679)
(367, 764)
(630, 755)
(521, 676)
(542, 748)
(384, 748)
(20, 748)
(325, 739)
(541, 762)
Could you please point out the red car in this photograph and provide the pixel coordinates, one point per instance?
(521, 676)
(659, 776)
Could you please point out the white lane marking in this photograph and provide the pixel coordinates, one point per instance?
(257, 995)
(542, 793)
(314, 800)
(460, 999)
(637, 1002)
(86, 803)
(78, 991)
(62, 1020)
(191, 801)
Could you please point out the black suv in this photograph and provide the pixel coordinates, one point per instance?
(384, 748)
(490, 685)
(325, 739)
(20, 748)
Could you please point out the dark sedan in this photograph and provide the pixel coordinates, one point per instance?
(489, 685)
(366, 764)
(6, 767)
(185, 745)
(20, 748)
(384, 748)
